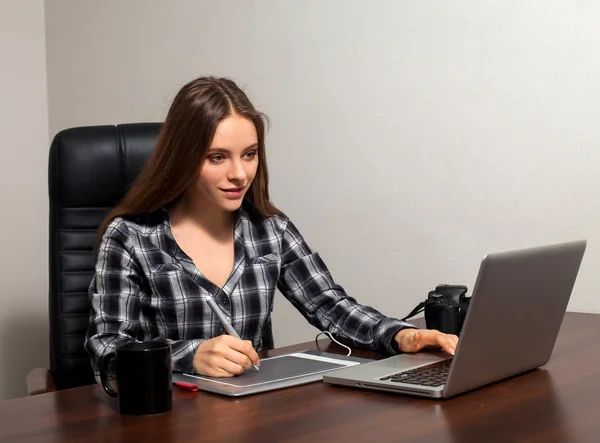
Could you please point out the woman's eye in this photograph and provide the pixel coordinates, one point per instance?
(251, 154)
(215, 158)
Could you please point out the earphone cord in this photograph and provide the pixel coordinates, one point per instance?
(331, 337)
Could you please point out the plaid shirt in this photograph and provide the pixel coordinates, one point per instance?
(145, 287)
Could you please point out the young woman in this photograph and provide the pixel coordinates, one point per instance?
(198, 223)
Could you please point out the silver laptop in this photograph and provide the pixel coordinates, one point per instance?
(516, 310)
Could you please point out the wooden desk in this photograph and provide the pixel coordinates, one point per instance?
(560, 403)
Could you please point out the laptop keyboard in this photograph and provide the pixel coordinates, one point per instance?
(430, 375)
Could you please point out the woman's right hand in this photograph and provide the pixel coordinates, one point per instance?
(224, 356)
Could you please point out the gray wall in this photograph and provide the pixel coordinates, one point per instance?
(408, 139)
(23, 194)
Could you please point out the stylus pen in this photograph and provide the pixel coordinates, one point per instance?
(224, 322)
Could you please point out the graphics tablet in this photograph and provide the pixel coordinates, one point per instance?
(275, 373)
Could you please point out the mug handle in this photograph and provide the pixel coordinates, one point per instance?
(104, 365)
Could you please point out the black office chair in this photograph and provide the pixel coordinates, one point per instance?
(90, 168)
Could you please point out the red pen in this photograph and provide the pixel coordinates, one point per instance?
(187, 386)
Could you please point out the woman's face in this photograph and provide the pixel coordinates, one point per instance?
(230, 164)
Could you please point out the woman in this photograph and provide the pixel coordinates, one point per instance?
(198, 222)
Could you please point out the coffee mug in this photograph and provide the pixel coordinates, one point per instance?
(143, 374)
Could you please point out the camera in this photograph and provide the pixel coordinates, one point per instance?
(445, 308)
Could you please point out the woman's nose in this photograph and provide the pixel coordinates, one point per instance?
(237, 171)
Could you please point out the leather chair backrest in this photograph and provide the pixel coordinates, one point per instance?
(90, 169)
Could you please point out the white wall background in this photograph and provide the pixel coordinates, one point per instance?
(408, 139)
(23, 194)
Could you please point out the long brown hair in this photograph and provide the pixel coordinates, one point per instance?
(182, 144)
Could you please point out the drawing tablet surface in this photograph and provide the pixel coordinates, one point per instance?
(275, 373)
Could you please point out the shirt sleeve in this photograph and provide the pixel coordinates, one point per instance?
(115, 298)
(306, 282)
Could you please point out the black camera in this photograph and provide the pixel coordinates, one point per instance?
(445, 308)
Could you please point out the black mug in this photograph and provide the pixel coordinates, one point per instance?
(143, 374)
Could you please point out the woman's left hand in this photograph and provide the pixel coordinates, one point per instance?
(413, 340)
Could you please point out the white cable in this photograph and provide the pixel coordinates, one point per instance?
(331, 337)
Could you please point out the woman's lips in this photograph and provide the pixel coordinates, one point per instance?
(234, 193)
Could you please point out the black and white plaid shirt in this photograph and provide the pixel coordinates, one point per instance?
(145, 287)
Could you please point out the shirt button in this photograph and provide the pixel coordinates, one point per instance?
(224, 301)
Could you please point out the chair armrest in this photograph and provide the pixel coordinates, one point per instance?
(39, 381)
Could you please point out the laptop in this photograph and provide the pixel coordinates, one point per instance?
(515, 313)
